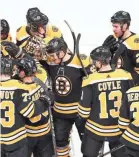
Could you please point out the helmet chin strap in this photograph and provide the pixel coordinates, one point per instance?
(123, 32)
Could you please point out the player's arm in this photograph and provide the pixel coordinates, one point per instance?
(28, 108)
(124, 115)
(135, 61)
(85, 102)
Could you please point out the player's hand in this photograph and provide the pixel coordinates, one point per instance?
(48, 98)
(11, 48)
(111, 43)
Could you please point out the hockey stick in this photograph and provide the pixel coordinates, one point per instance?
(76, 46)
(78, 52)
(39, 82)
(73, 35)
(112, 150)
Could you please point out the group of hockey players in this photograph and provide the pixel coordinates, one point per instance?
(104, 106)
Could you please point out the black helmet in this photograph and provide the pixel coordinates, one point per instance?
(27, 65)
(37, 20)
(55, 45)
(30, 12)
(121, 17)
(101, 53)
(6, 66)
(4, 27)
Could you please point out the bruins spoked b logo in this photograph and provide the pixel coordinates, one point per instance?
(63, 85)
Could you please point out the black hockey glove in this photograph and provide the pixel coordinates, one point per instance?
(48, 98)
(12, 49)
(111, 43)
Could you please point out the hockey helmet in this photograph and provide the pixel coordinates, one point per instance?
(6, 66)
(55, 45)
(30, 12)
(101, 53)
(121, 17)
(27, 65)
(37, 20)
(4, 27)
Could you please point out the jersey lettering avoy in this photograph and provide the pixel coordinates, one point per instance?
(67, 84)
(22, 34)
(100, 102)
(129, 118)
(15, 106)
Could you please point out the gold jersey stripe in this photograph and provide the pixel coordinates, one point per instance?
(110, 134)
(13, 133)
(39, 134)
(65, 112)
(101, 126)
(67, 105)
(14, 141)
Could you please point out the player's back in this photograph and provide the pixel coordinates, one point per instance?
(106, 95)
(14, 106)
(129, 118)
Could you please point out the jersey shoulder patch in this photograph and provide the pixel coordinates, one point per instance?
(132, 42)
(54, 29)
(136, 40)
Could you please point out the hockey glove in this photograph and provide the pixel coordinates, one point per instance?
(12, 49)
(111, 43)
(48, 98)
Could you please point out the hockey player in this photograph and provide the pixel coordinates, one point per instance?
(15, 105)
(5, 30)
(35, 26)
(66, 74)
(39, 127)
(129, 121)
(126, 42)
(100, 102)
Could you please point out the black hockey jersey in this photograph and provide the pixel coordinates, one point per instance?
(129, 118)
(38, 125)
(67, 85)
(100, 102)
(15, 106)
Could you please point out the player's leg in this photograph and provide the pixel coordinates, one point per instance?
(131, 152)
(32, 141)
(19, 152)
(119, 152)
(44, 147)
(90, 147)
(80, 125)
(62, 131)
